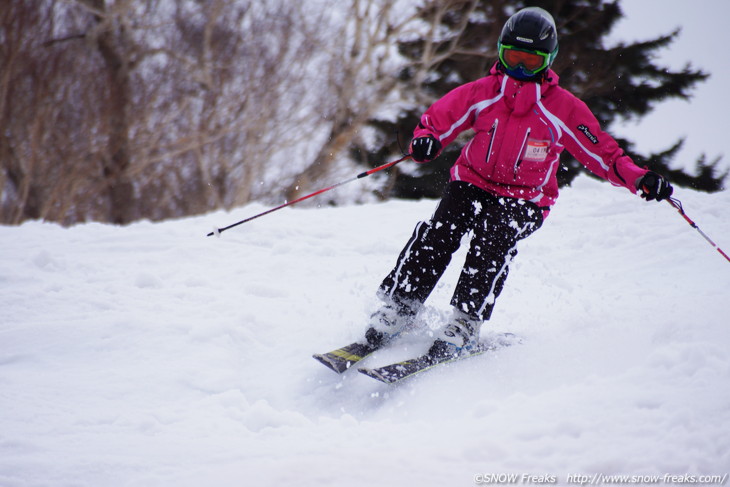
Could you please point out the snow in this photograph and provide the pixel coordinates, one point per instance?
(150, 355)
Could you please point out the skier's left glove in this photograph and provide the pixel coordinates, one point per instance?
(653, 186)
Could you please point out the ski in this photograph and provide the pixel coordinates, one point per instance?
(393, 373)
(390, 374)
(343, 358)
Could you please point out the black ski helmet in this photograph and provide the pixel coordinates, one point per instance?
(531, 29)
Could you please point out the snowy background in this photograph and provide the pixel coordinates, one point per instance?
(150, 355)
(701, 43)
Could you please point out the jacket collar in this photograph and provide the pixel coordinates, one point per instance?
(520, 96)
(550, 79)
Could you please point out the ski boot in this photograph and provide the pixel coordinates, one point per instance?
(459, 337)
(387, 323)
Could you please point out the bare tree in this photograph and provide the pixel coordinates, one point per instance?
(20, 82)
(361, 77)
(253, 87)
(41, 153)
(109, 35)
(365, 69)
(124, 109)
(115, 110)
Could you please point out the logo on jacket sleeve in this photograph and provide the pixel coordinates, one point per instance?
(587, 132)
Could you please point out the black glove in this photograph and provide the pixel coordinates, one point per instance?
(424, 149)
(654, 186)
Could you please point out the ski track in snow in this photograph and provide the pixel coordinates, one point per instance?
(150, 355)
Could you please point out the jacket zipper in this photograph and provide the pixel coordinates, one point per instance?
(493, 131)
(519, 154)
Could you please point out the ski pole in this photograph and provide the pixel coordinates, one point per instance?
(678, 205)
(218, 231)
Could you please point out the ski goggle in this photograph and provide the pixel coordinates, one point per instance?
(532, 61)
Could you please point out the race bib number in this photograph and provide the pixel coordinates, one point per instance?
(536, 150)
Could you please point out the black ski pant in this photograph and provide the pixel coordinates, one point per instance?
(497, 223)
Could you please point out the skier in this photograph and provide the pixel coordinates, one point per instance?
(502, 185)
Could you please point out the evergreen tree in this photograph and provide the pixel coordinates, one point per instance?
(621, 81)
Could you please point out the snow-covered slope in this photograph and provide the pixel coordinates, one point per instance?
(150, 355)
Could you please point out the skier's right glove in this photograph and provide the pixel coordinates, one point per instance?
(424, 149)
(654, 186)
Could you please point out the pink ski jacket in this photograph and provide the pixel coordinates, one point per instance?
(520, 129)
